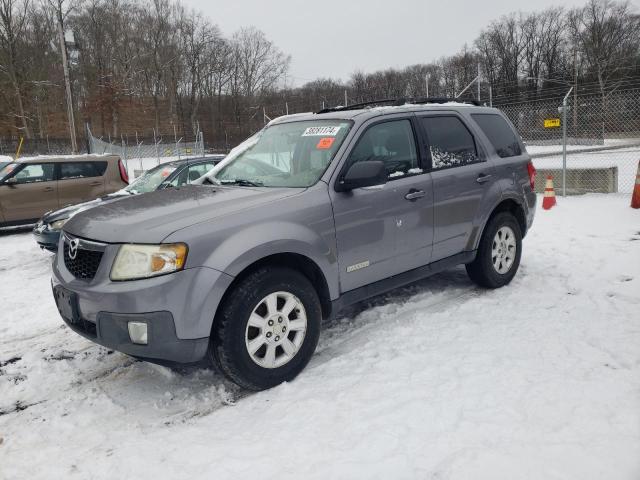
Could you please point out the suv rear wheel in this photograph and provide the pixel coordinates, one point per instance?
(267, 329)
(498, 256)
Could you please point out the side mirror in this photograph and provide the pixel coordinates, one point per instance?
(363, 174)
(11, 181)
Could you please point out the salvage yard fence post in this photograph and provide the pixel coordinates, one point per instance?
(597, 152)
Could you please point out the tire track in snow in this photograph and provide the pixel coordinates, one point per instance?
(439, 293)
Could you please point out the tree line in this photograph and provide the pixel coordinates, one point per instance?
(156, 66)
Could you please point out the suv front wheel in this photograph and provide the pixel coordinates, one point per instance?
(498, 256)
(267, 329)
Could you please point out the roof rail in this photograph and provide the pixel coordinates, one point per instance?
(399, 102)
(424, 100)
(358, 106)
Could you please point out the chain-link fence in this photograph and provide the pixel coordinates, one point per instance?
(599, 133)
(142, 153)
(38, 146)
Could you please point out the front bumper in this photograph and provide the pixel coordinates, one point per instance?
(178, 309)
(47, 239)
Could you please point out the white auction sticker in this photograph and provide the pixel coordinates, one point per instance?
(321, 131)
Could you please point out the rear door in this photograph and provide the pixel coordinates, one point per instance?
(511, 158)
(80, 181)
(462, 181)
(33, 193)
(384, 230)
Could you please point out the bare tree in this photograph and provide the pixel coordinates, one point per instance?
(607, 35)
(261, 65)
(13, 24)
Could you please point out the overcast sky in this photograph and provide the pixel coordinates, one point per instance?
(334, 39)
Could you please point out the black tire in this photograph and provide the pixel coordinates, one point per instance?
(227, 347)
(482, 270)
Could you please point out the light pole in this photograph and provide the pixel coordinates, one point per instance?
(67, 83)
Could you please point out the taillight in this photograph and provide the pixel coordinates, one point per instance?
(123, 172)
(532, 175)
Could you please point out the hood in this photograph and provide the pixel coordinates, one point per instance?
(151, 217)
(71, 210)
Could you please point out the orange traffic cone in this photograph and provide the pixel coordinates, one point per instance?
(635, 198)
(549, 199)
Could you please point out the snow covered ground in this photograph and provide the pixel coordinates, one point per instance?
(539, 150)
(440, 380)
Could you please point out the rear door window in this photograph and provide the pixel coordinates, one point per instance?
(73, 170)
(499, 133)
(450, 142)
(35, 172)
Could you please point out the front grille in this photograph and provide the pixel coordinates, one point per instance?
(86, 263)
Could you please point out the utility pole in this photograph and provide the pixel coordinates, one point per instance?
(427, 83)
(346, 101)
(478, 81)
(67, 82)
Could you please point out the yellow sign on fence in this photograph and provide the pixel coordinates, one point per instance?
(551, 122)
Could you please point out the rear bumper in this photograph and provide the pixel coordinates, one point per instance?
(531, 199)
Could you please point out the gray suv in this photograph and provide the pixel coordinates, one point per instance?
(314, 213)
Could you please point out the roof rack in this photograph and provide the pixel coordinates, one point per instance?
(396, 102)
(358, 106)
(424, 100)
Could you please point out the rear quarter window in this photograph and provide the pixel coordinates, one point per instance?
(82, 170)
(499, 133)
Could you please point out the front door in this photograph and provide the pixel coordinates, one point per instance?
(31, 191)
(384, 230)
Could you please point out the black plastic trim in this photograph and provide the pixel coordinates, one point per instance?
(377, 288)
(163, 346)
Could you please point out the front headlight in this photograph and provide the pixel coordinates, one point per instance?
(143, 261)
(58, 224)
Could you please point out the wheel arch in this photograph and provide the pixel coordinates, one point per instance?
(510, 205)
(295, 261)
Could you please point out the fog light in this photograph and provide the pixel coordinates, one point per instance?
(138, 332)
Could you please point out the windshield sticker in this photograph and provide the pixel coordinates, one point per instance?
(325, 143)
(321, 131)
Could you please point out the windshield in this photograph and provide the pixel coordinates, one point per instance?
(6, 169)
(292, 154)
(151, 180)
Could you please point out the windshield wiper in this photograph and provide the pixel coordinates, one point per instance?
(243, 182)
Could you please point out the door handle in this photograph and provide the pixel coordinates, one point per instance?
(414, 194)
(95, 184)
(47, 189)
(483, 178)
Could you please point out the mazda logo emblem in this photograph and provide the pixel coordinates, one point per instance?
(73, 248)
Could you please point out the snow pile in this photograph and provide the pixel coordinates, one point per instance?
(442, 380)
(625, 159)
